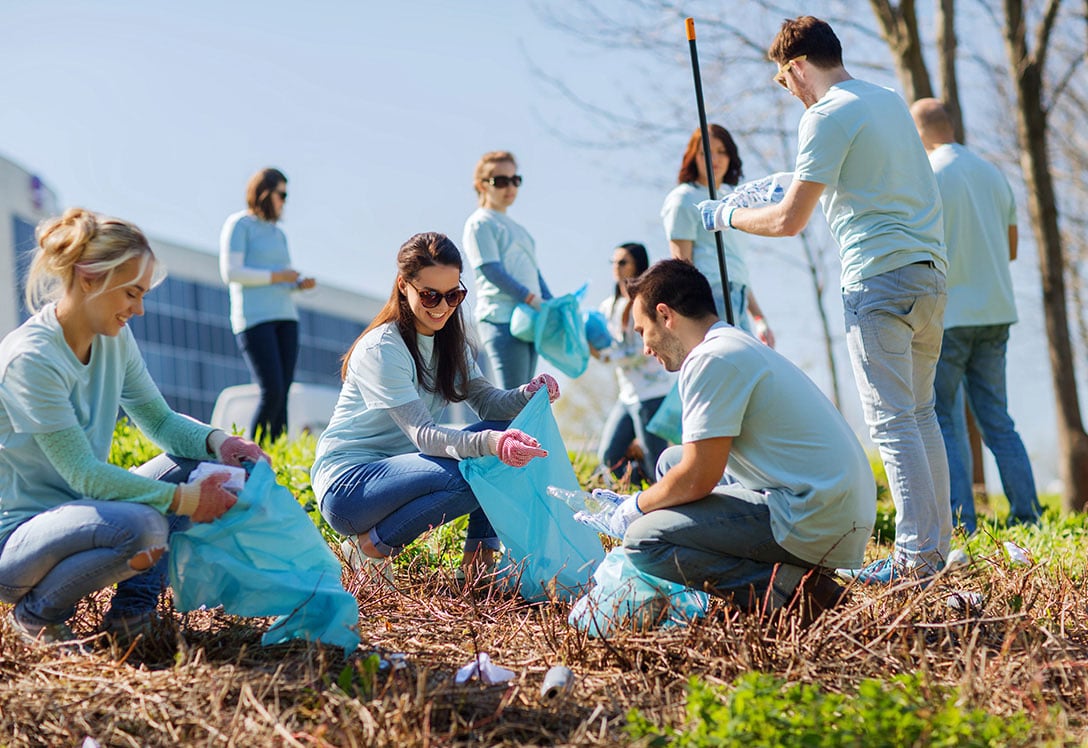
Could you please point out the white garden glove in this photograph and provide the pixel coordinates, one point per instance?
(715, 215)
(617, 513)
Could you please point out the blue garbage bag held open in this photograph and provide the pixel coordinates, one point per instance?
(560, 333)
(555, 553)
(265, 557)
(625, 598)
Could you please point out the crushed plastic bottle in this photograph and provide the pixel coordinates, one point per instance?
(757, 193)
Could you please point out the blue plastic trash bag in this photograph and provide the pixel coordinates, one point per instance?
(597, 333)
(554, 552)
(265, 557)
(561, 333)
(523, 323)
(625, 598)
(666, 422)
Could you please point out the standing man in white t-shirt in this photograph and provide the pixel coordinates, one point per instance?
(797, 498)
(859, 156)
(980, 232)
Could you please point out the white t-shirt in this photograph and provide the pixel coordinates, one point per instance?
(381, 375)
(44, 388)
(978, 211)
(881, 199)
(789, 442)
(640, 377)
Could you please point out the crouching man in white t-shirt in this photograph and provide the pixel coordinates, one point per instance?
(770, 488)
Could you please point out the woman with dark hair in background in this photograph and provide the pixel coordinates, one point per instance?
(385, 472)
(503, 256)
(254, 261)
(689, 241)
(643, 382)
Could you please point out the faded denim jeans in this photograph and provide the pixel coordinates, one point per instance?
(625, 423)
(397, 499)
(894, 323)
(513, 362)
(53, 560)
(723, 543)
(974, 357)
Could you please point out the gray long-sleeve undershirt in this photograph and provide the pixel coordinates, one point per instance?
(430, 438)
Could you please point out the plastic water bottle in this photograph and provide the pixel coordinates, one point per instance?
(766, 190)
(583, 501)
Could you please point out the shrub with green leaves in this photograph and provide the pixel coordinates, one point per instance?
(763, 709)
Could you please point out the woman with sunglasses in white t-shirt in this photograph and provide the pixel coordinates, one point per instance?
(503, 256)
(385, 471)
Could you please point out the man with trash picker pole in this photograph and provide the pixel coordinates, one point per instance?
(861, 158)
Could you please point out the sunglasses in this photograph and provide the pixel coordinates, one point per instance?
(283, 195)
(503, 182)
(621, 263)
(780, 76)
(429, 298)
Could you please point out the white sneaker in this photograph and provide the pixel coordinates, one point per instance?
(377, 569)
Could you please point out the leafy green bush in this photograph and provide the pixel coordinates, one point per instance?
(762, 709)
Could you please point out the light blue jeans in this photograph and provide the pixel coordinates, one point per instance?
(513, 361)
(625, 423)
(397, 499)
(974, 357)
(893, 332)
(53, 560)
(722, 543)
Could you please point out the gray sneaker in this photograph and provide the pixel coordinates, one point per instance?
(50, 633)
(377, 569)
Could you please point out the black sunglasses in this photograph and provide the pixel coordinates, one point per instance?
(622, 262)
(283, 195)
(502, 182)
(429, 298)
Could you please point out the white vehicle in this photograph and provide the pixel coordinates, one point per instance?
(309, 408)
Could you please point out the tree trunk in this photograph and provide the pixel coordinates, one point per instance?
(946, 64)
(1032, 135)
(899, 27)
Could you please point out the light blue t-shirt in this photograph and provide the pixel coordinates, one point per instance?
(978, 211)
(381, 375)
(491, 236)
(680, 213)
(44, 388)
(789, 442)
(881, 199)
(264, 246)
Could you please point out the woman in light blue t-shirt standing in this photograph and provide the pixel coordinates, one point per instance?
(70, 523)
(689, 241)
(254, 261)
(503, 255)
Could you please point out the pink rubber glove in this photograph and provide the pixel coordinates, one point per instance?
(544, 380)
(233, 450)
(516, 448)
(205, 500)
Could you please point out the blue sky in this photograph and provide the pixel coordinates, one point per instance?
(377, 112)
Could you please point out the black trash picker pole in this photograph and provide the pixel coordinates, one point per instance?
(690, 24)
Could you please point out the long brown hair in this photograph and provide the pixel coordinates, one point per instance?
(689, 172)
(421, 251)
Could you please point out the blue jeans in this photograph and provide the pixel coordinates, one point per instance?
(397, 499)
(625, 423)
(974, 357)
(270, 350)
(513, 361)
(723, 542)
(893, 332)
(738, 297)
(53, 560)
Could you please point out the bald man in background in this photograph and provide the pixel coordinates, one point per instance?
(980, 234)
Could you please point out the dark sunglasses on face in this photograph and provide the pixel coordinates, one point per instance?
(503, 182)
(283, 195)
(621, 263)
(429, 298)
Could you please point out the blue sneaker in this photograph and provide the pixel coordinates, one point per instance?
(882, 571)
